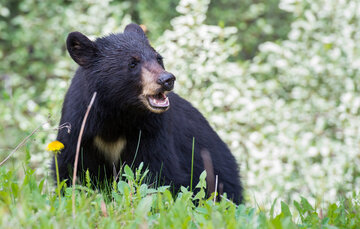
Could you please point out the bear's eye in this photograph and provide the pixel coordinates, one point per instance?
(133, 63)
(159, 60)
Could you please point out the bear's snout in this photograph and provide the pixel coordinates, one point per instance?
(166, 80)
(156, 83)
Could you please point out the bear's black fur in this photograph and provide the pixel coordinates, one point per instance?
(134, 100)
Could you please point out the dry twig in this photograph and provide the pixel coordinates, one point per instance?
(22, 143)
(216, 184)
(78, 150)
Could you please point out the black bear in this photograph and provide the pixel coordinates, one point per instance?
(135, 117)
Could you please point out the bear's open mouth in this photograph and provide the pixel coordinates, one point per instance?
(159, 101)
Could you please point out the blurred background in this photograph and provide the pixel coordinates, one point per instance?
(278, 79)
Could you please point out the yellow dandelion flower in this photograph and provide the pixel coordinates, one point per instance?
(55, 146)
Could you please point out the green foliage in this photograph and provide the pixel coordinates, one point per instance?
(27, 203)
(156, 15)
(256, 21)
(87, 179)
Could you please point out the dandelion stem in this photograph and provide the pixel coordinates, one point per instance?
(57, 176)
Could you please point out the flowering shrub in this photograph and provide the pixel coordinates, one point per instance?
(311, 128)
(291, 115)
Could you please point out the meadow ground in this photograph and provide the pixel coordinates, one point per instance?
(28, 202)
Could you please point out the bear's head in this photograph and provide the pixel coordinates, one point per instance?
(124, 69)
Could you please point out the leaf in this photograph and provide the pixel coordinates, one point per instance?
(144, 206)
(122, 185)
(41, 185)
(306, 205)
(87, 178)
(300, 210)
(183, 189)
(202, 181)
(163, 188)
(203, 175)
(27, 156)
(62, 183)
(138, 172)
(151, 191)
(143, 190)
(143, 176)
(140, 166)
(15, 189)
(201, 210)
(200, 195)
(128, 173)
(272, 209)
(285, 209)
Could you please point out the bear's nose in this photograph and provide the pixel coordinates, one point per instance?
(166, 80)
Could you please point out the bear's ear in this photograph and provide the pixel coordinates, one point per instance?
(81, 49)
(134, 28)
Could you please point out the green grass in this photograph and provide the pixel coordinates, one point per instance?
(32, 203)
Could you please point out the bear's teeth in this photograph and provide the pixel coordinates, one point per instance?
(163, 102)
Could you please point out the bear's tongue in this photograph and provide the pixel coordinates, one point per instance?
(159, 100)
